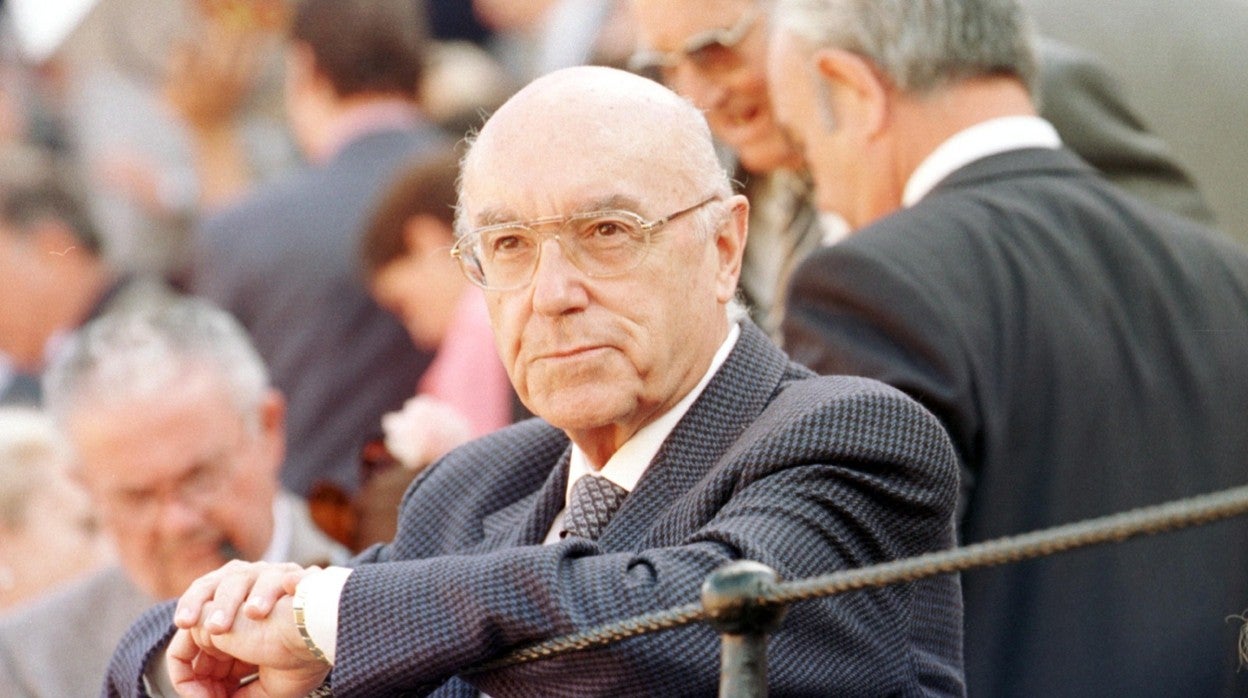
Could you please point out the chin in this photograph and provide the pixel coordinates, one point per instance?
(579, 410)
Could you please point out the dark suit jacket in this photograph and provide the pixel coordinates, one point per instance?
(1086, 351)
(285, 263)
(807, 475)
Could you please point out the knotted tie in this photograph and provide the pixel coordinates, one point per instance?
(592, 502)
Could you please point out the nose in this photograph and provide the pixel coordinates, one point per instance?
(178, 518)
(558, 286)
(703, 89)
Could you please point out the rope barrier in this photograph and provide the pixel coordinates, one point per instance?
(1115, 528)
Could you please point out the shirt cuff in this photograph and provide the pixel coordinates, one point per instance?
(320, 592)
(156, 679)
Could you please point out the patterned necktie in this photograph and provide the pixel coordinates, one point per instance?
(592, 502)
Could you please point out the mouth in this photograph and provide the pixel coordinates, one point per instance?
(575, 352)
(740, 119)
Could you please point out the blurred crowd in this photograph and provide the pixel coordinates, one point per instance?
(277, 179)
(287, 166)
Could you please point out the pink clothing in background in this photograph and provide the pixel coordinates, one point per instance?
(466, 373)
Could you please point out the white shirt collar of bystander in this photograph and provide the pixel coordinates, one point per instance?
(975, 143)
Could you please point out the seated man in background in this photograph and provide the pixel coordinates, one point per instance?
(49, 534)
(596, 216)
(284, 259)
(1085, 348)
(465, 391)
(178, 437)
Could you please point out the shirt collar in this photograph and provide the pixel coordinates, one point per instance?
(629, 463)
(979, 141)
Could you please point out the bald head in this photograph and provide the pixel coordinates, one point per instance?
(593, 117)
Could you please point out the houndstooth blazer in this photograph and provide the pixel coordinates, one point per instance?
(805, 474)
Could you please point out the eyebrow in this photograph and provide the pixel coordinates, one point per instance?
(496, 215)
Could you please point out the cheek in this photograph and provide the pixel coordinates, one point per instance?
(507, 318)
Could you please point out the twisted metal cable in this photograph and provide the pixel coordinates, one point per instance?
(1115, 528)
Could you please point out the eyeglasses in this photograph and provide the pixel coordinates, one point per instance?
(199, 489)
(710, 51)
(504, 257)
(201, 486)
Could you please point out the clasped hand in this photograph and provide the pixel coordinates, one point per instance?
(237, 622)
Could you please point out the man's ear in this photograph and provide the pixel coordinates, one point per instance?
(853, 93)
(273, 426)
(730, 244)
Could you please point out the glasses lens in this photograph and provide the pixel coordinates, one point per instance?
(599, 244)
(501, 258)
(605, 244)
(714, 57)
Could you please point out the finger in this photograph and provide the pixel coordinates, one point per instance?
(220, 589)
(199, 593)
(180, 659)
(292, 579)
(268, 589)
(230, 593)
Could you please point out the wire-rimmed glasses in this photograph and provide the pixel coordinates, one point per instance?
(504, 257)
(712, 50)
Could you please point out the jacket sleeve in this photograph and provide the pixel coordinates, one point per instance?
(147, 637)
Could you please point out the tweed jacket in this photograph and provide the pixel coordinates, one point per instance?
(1086, 351)
(60, 646)
(807, 475)
(285, 263)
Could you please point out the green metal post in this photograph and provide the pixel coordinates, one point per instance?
(729, 597)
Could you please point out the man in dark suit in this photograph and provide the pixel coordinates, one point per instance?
(596, 216)
(284, 260)
(1084, 348)
(715, 53)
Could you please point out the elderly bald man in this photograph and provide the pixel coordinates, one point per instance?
(595, 215)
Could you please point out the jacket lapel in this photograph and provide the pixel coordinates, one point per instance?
(733, 399)
(528, 520)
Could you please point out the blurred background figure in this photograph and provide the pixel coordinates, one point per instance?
(178, 436)
(284, 259)
(105, 70)
(465, 393)
(49, 534)
(1083, 346)
(55, 278)
(533, 37)
(406, 255)
(462, 82)
(714, 53)
(213, 76)
(1190, 86)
